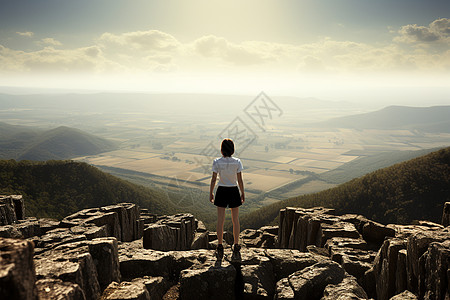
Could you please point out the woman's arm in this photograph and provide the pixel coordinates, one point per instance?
(211, 187)
(241, 186)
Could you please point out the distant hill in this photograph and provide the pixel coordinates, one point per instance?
(430, 119)
(58, 188)
(411, 190)
(22, 142)
(366, 164)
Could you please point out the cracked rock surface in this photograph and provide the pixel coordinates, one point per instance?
(121, 252)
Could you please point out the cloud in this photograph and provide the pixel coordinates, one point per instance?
(311, 64)
(151, 40)
(50, 41)
(218, 47)
(436, 31)
(27, 33)
(420, 48)
(49, 59)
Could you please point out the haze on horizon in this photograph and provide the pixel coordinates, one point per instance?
(342, 49)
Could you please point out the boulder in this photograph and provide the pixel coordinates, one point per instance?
(228, 238)
(301, 236)
(417, 245)
(160, 237)
(369, 283)
(139, 229)
(376, 233)
(111, 220)
(314, 232)
(257, 238)
(313, 249)
(215, 281)
(358, 220)
(347, 289)
(57, 237)
(7, 211)
(287, 226)
(400, 276)
(258, 281)
(338, 229)
(200, 241)
(125, 290)
(71, 263)
(287, 261)
(19, 206)
(406, 295)
(269, 241)
(186, 225)
(120, 220)
(288, 233)
(137, 262)
(182, 260)
(10, 231)
(156, 286)
(343, 242)
(405, 231)
(170, 233)
(437, 260)
(49, 289)
(104, 252)
(127, 213)
(173, 292)
(249, 234)
(200, 226)
(385, 267)
(47, 224)
(310, 282)
(28, 228)
(255, 271)
(213, 245)
(90, 231)
(284, 290)
(17, 270)
(355, 262)
(270, 229)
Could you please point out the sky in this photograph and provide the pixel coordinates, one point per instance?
(281, 46)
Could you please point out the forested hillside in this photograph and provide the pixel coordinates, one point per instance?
(366, 164)
(58, 188)
(408, 191)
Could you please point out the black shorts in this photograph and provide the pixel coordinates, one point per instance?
(227, 196)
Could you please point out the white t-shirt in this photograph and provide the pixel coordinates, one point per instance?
(227, 168)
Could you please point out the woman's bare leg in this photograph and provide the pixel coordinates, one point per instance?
(236, 225)
(220, 221)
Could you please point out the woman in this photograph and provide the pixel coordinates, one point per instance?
(227, 195)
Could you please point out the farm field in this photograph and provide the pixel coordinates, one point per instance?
(278, 164)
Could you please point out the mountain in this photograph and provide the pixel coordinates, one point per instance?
(430, 119)
(59, 188)
(366, 164)
(22, 142)
(408, 191)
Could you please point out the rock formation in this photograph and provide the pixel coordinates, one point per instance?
(446, 214)
(121, 252)
(12, 209)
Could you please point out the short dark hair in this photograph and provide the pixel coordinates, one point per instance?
(227, 147)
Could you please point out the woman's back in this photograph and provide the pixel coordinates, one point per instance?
(227, 168)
